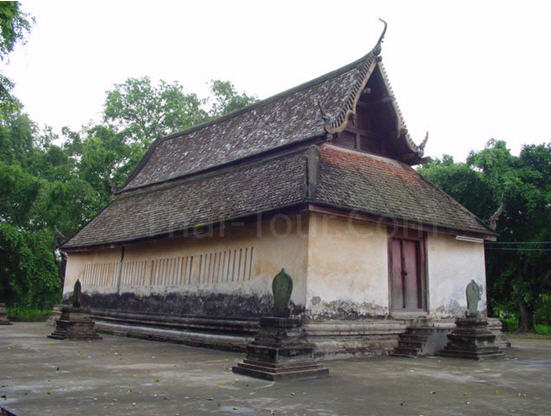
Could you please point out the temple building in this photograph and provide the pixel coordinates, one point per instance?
(317, 180)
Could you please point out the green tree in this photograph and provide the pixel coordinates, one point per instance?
(42, 195)
(14, 25)
(29, 274)
(519, 275)
(143, 112)
(226, 99)
(50, 191)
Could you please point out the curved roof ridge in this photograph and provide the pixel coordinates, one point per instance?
(368, 63)
(270, 99)
(402, 124)
(235, 113)
(288, 117)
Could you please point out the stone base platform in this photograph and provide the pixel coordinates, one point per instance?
(214, 340)
(339, 339)
(495, 326)
(471, 339)
(423, 338)
(74, 323)
(280, 351)
(332, 339)
(197, 331)
(56, 314)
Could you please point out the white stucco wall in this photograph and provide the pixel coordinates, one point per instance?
(452, 264)
(274, 244)
(347, 268)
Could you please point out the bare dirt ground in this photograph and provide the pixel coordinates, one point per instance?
(125, 376)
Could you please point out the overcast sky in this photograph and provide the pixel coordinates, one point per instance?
(466, 73)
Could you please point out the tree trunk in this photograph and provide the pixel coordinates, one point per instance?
(526, 318)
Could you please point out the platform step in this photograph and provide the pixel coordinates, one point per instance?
(312, 370)
(421, 340)
(200, 339)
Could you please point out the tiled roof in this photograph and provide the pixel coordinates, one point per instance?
(310, 110)
(388, 188)
(285, 119)
(207, 174)
(176, 206)
(346, 179)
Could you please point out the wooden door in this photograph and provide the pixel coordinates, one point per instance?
(406, 275)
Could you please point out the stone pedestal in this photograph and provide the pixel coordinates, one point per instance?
(495, 326)
(74, 323)
(56, 314)
(3, 315)
(471, 339)
(279, 351)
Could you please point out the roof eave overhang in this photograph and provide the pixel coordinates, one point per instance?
(387, 221)
(191, 230)
(323, 208)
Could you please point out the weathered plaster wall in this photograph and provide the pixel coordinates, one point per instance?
(76, 263)
(452, 264)
(339, 268)
(347, 268)
(228, 273)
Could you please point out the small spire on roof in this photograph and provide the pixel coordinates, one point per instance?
(377, 48)
(421, 147)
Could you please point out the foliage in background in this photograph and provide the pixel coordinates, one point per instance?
(51, 190)
(518, 275)
(14, 25)
(28, 315)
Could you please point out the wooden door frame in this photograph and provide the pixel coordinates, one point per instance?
(420, 237)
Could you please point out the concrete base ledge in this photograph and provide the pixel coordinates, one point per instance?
(345, 339)
(355, 328)
(332, 339)
(196, 339)
(245, 327)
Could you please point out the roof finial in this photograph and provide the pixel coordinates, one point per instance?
(421, 147)
(377, 48)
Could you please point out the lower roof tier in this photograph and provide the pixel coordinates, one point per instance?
(324, 174)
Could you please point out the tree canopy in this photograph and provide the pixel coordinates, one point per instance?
(51, 190)
(517, 189)
(14, 25)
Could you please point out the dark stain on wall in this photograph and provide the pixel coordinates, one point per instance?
(185, 304)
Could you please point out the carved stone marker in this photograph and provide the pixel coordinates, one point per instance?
(4, 315)
(75, 322)
(280, 350)
(471, 337)
(76, 294)
(282, 287)
(474, 293)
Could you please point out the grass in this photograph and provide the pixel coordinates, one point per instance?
(528, 335)
(541, 330)
(28, 315)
